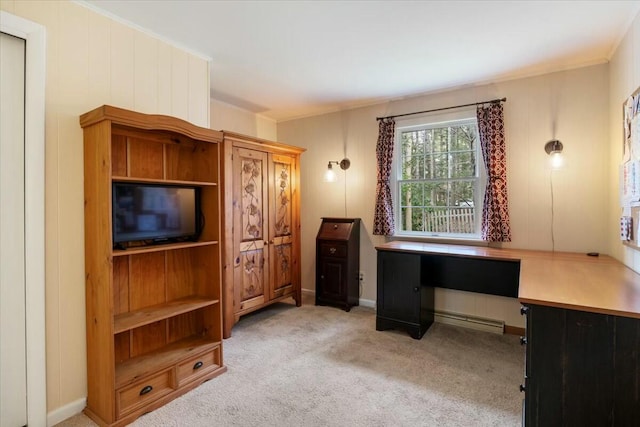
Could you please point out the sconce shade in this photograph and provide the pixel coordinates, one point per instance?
(330, 174)
(554, 149)
(553, 146)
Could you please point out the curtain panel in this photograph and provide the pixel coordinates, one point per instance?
(383, 222)
(495, 210)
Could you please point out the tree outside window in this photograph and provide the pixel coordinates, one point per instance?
(438, 180)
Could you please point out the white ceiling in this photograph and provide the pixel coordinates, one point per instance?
(288, 59)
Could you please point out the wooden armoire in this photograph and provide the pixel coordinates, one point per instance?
(261, 231)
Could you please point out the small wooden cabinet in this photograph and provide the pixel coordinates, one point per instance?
(153, 313)
(405, 299)
(261, 225)
(338, 262)
(581, 368)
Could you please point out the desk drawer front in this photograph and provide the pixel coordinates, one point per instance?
(487, 276)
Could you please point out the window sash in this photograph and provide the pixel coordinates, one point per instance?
(446, 219)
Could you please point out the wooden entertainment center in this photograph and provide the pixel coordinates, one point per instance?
(582, 313)
(153, 313)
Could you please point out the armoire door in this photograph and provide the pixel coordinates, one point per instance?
(250, 223)
(281, 224)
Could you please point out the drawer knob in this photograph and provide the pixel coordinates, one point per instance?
(523, 340)
(145, 390)
(198, 365)
(335, 226)
(416, 289)
(524, 310)
(332, 250)
(522, 388)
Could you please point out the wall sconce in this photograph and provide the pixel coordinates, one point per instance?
(554, 149)
(330, 175)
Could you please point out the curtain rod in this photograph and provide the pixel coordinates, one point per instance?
(445, 108)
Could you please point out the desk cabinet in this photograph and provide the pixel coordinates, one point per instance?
(581, 368)
(338, 262)
(404, 298)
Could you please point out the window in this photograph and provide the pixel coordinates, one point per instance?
(439, 180)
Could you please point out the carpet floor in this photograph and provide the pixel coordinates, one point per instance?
(321, 366)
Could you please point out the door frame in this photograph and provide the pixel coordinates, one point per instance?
(34, 152)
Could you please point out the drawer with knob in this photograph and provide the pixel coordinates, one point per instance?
(333, 250)
(142, 392)
(198, 366)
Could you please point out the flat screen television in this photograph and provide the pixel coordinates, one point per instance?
(154, 213)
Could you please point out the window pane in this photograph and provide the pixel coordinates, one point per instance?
(462, 193)
(441, 165)
(429, 165)
(440, 140)
(439, 193)
(412, 155)
(463, 138)
(411, 194)
(463, 164)
(412, 219)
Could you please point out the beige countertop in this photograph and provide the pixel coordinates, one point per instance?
(560, 279)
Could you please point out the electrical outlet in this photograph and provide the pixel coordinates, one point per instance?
(361, 276)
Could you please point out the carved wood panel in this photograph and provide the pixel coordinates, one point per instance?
(280, 242)
(250, 222)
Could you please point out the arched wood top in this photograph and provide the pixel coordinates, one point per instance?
(258, 142)
(151, 122)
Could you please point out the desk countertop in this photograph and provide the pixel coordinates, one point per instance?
(560, 279)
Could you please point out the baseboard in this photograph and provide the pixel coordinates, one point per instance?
(367, 303)
(362, 302)
(514, 330)
(67, 411)
(465, 321)
(456, 319)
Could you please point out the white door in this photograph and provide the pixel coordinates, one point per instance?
(13, 371)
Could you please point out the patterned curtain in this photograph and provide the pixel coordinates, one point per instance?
(495, 211)
(383, 224)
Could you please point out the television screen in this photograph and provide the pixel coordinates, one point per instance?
(154, 213)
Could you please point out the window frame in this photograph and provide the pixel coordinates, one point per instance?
(425, 123)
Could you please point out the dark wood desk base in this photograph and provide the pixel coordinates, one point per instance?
(407, 281)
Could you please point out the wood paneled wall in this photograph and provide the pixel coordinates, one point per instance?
(92, 60)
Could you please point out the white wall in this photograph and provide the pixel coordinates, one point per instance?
(92, 60)
(574, 103)
(228, 117)
(624, 80)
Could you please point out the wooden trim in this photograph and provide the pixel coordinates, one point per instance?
(253, 143)
(514, 330)
(120, 116)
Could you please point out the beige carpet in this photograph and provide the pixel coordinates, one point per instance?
(321, 366)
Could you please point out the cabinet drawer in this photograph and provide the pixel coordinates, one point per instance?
(335, 250)
(143, 392)
(198, 366)
(335, 230)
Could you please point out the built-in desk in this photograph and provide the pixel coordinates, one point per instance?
(582, 363)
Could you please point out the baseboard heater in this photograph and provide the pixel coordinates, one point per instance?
(462, 320)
